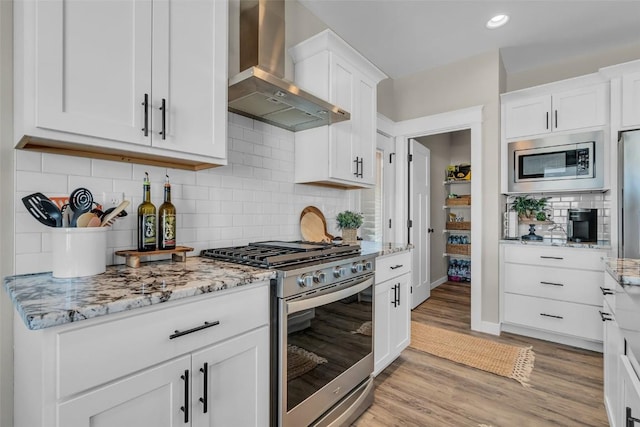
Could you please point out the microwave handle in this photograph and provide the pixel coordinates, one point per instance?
(296, 306)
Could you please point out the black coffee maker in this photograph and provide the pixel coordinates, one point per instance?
(582, 225)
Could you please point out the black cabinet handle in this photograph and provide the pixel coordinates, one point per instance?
(630, 419)
(395, 296)
(206, 325)
(356, 173)
(204, 399)
(398, 300)
(604, 317)
(551, 283)
(606, 291)
(393, 267)
(556, 114)
(547, 120)
(145, 104)
(551, 257)
(185, 408)
(163, 108)
(361, 167)
(551, 315)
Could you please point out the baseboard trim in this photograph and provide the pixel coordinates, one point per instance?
(489, 328)
(439, 282)
(553, 337)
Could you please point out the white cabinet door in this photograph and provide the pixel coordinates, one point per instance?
(366, 130)
(530, 116)
(580, 108)
(93, 67)
(401, 315)
(232, 380)
(152, 398)
(342, 146)
(631, 99)
(190, 75)
(630, 399)
(382, 345)
(613, 348)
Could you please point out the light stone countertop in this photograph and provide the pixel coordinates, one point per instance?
(383, 248)
(44, 301)
(625, 270)
(600, 244)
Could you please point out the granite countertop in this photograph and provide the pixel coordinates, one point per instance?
(625, 270)
(43, 301)
(600, 244)
(383, 248)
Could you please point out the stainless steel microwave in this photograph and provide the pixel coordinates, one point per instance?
(557, 163)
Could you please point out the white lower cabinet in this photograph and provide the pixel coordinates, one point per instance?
(392, 309)
(630, 397)
(204, 362)
(613, 349)
(552, 293)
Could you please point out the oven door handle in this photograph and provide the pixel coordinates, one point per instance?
(296, 306)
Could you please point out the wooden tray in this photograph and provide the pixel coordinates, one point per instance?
(458, 225)
(464, 200)
(313, 226)
(178, 254)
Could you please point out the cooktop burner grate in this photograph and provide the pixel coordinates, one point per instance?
(274, 254)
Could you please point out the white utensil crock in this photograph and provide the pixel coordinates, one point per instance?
(78, 252)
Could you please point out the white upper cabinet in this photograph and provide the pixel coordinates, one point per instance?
(631, 99)
(341, 154)
(563, 110)
(143, 79)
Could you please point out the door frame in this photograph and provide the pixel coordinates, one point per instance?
(468, 118)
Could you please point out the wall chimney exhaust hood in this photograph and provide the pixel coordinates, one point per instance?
(260, 91)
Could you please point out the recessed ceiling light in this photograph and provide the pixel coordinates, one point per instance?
(497, 21)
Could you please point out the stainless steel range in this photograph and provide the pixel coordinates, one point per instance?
(322, 329)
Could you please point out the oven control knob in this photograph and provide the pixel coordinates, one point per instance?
(320, 277)
(357, 267)
(368, 265)
(306, 280)
(340, 271)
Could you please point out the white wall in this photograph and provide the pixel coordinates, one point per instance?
(252, 199)
(6, 212)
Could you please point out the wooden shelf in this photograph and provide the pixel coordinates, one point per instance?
(460, 181)
(456, 206)
(179, 254)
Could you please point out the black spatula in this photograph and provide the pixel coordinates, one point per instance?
(33, 203)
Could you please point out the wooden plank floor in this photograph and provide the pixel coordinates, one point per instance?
(419, 389)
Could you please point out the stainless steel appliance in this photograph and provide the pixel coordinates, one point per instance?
(557, 163)
(582, 225)
(629, 194)
(322, 329)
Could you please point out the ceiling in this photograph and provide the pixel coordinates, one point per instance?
(403, 37)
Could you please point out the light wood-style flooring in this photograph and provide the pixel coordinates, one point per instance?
(419, 389)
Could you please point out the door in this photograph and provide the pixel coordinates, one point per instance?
(580, 108)
(231, 382)
(342, 145)
(420, 207)
(401, 315)
(530, 116)
(190, 75)
(93, 75)
(151, 398)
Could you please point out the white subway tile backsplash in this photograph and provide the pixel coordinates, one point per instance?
(252, 198)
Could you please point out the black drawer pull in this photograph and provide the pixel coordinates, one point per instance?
(145, 104)
(393, 267)
(552, 284)
(604, 317)
(630, 419)
(606, 291)
(551, 315)
(205, 398)
(196, 329)
(185, 408)
(550, 257)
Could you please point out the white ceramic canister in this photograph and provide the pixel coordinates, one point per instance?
(78, 252)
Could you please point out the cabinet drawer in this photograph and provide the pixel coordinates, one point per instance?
(562, 317)
(562, 284)
(91, 355)
(390, 266)
(586, 259)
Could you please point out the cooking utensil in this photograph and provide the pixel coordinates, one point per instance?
(52, 209)
(80, 201)
(94, 222)
(33, 203)
(83, 220)
(313, 225)
(111, 217)
(108, 211)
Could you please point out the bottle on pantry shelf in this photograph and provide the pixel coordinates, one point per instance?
(167, 220)
(146, 219)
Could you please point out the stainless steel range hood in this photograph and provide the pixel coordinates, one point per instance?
(260, 91)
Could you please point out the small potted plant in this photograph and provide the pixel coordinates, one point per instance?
(529, 208)
(349, 222)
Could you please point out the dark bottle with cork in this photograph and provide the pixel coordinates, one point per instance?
(167, 220)
(146, 219)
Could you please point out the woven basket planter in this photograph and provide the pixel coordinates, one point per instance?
(459, 201)
(454, 249)
(458, 225)
(350, 235)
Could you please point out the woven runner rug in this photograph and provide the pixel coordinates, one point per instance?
(500, 359)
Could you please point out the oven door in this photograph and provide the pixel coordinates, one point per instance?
(326, 348)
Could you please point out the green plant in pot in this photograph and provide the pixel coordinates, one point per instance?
(349, 222)
(530, 208)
